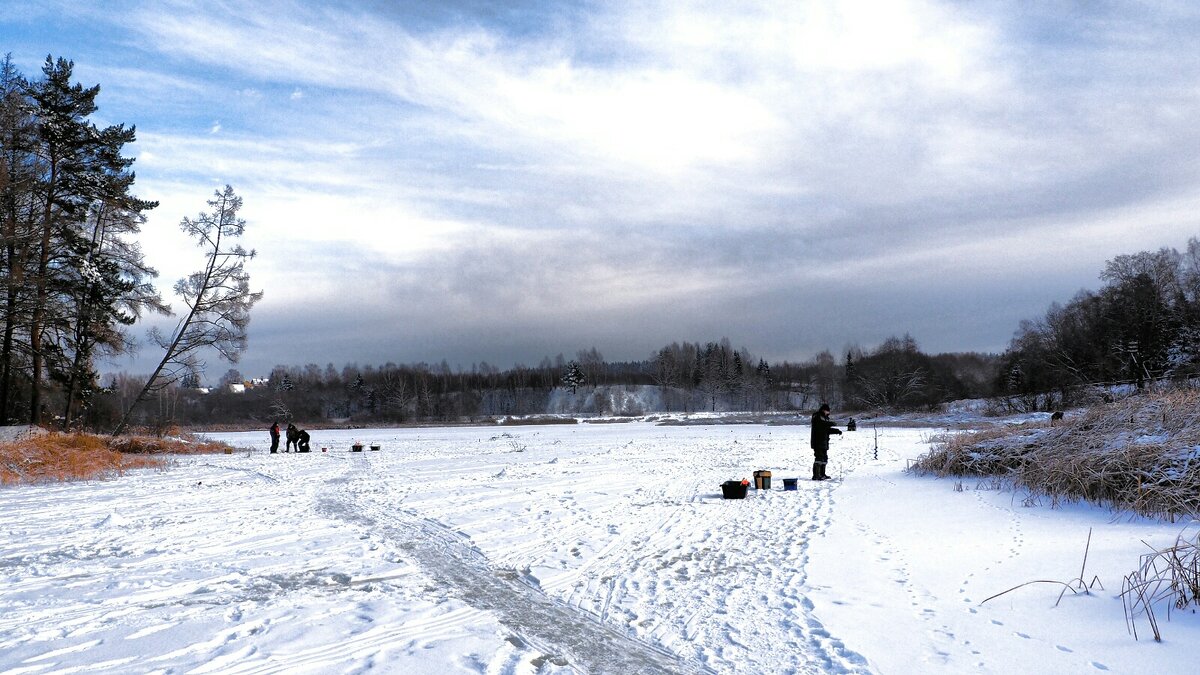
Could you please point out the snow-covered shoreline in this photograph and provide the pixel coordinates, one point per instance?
(602, 548)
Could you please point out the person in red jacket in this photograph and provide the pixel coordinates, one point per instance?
(274, 437)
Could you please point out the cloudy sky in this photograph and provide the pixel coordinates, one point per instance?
(504, 181)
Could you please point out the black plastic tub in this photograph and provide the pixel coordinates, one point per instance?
(733, 489)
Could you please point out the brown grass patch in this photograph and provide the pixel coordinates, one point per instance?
(1141, 454)
(152, 445)
(56, 457)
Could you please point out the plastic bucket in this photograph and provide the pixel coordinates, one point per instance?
(790, 483)
(733, 489)
(762, 480)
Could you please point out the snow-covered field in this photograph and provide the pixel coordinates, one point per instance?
(591, 547)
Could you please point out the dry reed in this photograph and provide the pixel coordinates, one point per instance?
(1169, 577)
(57, 457)
(1141, 454)
(1076, 585)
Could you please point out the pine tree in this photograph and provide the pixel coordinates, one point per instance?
(72, 278)
(18, 177)
(65, 150)
(107, 287)
(218, 299)
(764, 372)
(574, 377)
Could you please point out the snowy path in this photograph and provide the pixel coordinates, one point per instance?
(589, 548)
(560, 630)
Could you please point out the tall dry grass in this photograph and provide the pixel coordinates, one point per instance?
(1169, 578)
(56, 457)
(1141, 454)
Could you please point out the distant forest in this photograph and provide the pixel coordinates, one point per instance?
(1142, 327)
(681, 377)
(73, 283)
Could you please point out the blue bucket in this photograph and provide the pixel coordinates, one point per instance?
(790, 483)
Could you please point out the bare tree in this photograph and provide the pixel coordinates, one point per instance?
(397, 394)
(218, 300)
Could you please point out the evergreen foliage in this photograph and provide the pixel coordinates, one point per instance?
(574, 377)
(73, 277)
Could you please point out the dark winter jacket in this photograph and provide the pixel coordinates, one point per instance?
(822, 429)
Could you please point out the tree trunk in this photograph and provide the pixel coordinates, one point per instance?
(38, 318)
(10, 324)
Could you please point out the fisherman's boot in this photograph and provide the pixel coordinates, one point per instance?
(824, 476)
(817, 471)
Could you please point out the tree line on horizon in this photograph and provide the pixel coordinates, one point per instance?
(684, 377)
(1141, 327)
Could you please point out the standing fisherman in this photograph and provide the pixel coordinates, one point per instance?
(275, 437)
(822, 429)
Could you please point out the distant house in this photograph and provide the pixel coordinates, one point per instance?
(237, 387)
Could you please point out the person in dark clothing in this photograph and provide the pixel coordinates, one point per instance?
(274, 437)
(292, 436)
(822, 429)
(302, 441)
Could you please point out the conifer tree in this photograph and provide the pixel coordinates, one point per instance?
(218, 299)
(574, 377)
(18, 176)
(72, 278)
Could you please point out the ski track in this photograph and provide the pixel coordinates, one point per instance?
(459, 568)
(686, 544)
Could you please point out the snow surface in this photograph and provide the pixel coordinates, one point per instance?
(602, 548)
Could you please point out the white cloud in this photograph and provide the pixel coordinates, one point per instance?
(762, 145)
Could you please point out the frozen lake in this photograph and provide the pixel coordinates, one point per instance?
(565, 548)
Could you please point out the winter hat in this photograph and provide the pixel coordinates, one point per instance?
(824, 408)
